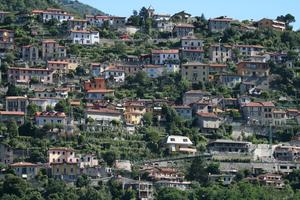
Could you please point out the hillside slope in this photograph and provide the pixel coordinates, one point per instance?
(72, 6)
(79, 8)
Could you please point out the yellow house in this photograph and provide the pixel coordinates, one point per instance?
(134, 112)
(65, 171)
(133, 118)
(62, 155)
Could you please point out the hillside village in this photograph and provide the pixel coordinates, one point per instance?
(150, 106)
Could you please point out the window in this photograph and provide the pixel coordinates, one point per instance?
(185, 140)
(172, 139)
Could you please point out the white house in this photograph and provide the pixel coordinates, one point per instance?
(208, 120)
(43, 118)
(104, 116)
(118, 75)
(44, 102)
(52, 13)
(84, 37)
(180, 144)
(159, 57)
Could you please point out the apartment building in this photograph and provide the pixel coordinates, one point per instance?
(195, 72)
(84, 37)
(51, 49)
(25, 75)
(219, 24)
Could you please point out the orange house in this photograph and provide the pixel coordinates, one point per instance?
(95, 84)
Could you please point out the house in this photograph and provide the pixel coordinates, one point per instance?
(84, 37)
(66, 171)
(18, 117)
(61, 155)
(43, 118)
(123, 165)
(225, 179)
(192, 43)
(113, 22)
(254, 85)
(6, 154)
(100, 94)
(171, 67)
(279, 117)
(287, 153)
(229, 146)
(153, 71)
(30, 53)
(208, 121)
(192, 55)
(194, 96)
(88, 160)
(114, 74)
(143, 189)
(269, 179)
(160, 57)
(249, 50)
(180, 144)
(95, 84)
(184, 111)
(61, 66)
(164, 26)
(259, 113)
(53, 14)
(52, 49)
(25, 75)
(44, 93)
(103, 116)
(183, 30)
(257, 69)
(220, 24)
(16, 103)
(77, 24)
(230, 80)
(130, 69)
(204, 105)
(167, 177)
(181, 16)
(26, 170)
(220, 53)
(43, 103)
(134, 112)
(216, 69)
(272, 24)
(191, 49)
(195, 72)
(96, 69)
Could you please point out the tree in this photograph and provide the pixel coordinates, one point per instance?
(110, 157)
(148, 118)
(12, 128)
(198, 171)
(28, 129)
(32, 109)
(172, 194)
(287, 19)
(14, 185)
(14, 91)
(83, 181)
(61, 106)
